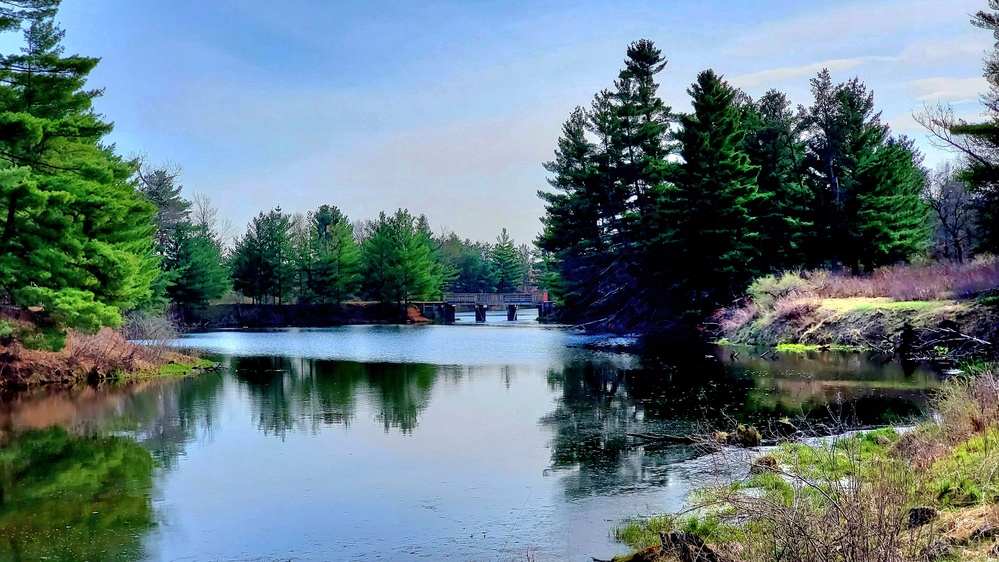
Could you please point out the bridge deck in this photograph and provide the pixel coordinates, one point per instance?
(494, 299)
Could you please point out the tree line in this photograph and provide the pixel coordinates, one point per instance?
(656, 217)
(319, 257)
(87, 234)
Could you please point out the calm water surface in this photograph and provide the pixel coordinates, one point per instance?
(467, 442)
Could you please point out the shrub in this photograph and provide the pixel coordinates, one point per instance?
(767, 290)
(795, 308)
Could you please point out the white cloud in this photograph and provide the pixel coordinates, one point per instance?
(773, 76)
(949, 89)
(846, 26)
(958, 49)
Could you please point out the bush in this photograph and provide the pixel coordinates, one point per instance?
(766, 291)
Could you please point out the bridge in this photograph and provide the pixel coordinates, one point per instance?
(481, 302)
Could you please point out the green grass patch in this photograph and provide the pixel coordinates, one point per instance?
(172, 369)
(842, 457)
(643, 532)
(854, 304)
(806, 348)
(969, 474)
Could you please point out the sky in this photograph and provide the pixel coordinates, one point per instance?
(450, 108)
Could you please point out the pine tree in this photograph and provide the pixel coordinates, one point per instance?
(196, 262)
(507, 264)
(599, 219)
(981, 142)
(573, 225)
(859, 175)
(469, 261)
(398, 260)
(75, 237)
(773, 144)
(711, 236)
(261, 263)
(892, 218)
(337, 273)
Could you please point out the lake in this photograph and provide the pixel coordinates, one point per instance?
(502, 441)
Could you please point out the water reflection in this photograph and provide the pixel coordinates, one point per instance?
(405, 460)
(73, 498)
(600, 403)
(308, 394)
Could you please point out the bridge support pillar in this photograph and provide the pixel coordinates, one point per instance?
(480, 312)
(544, 310)
(449, 310)
(511, 313)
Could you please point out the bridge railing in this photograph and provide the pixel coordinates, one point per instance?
(493, 299)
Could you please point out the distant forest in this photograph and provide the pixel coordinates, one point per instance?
(653, 216)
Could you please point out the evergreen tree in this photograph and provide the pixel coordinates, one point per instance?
(573, 225)
(892, 218)
(158, 186)
(261, 262)
(774, 145)
(195, 259)
(602, 213)
(507, 264)
(711, 236)
(75, 237)
(857, 172)
(980, 144)
(470, 261)
(642, 125)
(398, 260)
(337, 274)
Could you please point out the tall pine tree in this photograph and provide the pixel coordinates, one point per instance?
(867, 184)
(711, 234)
(773, 144)
(75, 237)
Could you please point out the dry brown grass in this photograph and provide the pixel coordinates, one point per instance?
(106, 354)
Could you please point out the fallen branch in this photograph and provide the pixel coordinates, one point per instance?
(665, 438)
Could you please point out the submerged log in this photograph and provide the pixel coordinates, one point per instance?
(666, 438)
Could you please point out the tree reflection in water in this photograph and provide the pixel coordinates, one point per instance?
(308, 394)
(66, 497)
(599, 403)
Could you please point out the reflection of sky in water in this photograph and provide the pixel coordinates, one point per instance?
(424, 442)
(496, 343)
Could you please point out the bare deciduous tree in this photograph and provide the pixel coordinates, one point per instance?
(954, 213)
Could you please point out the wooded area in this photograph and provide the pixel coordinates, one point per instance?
(655, 216)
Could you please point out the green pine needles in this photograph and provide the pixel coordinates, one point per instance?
(655, 219)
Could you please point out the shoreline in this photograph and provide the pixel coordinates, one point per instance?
(940, 501)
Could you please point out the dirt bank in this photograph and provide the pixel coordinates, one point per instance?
(852, 322)
(34, 353)
(890, 309)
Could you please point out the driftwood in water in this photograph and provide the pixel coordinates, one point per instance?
(666, 438)
(926, 344)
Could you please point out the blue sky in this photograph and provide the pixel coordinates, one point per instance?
(450, 108)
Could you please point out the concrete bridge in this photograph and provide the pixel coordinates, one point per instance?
(481, 302)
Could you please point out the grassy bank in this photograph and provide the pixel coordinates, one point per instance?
(927, 493)
(33, 353)
(803, 310)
